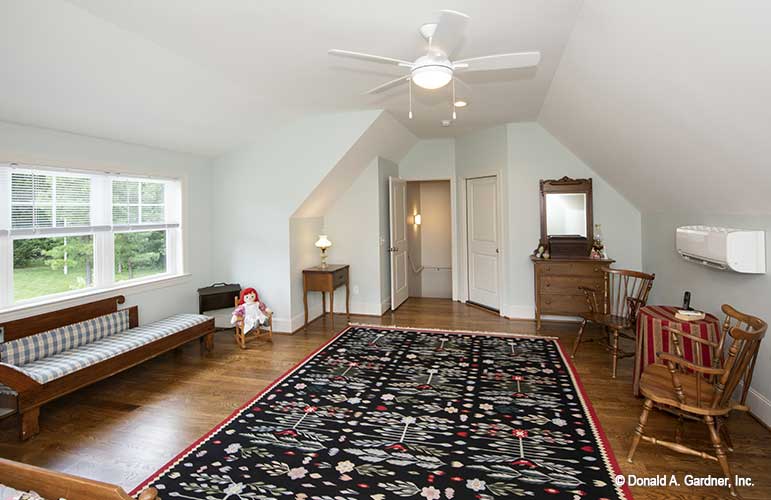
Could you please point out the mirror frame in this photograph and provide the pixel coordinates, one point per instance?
(566, 185)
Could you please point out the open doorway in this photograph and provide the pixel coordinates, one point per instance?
(429, 238)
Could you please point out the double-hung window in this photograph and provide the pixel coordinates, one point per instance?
(64, 231)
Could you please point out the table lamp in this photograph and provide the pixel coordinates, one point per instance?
(323, 243)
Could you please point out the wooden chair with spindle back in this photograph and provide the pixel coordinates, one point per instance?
(624, 292)
(703, 393)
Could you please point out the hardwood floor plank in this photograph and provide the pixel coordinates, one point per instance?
(122, 429)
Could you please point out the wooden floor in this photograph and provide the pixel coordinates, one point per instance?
(122, 429)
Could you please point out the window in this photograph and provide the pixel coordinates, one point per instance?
(139, 254)
(63, 231)
(136, 202)
(44, 266)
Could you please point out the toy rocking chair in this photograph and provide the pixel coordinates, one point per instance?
(265, 330)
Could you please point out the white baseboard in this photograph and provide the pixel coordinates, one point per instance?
(528, 312)
(518, 312)
(360, 307)
(567, 319)
(288, 325)
(760, 406)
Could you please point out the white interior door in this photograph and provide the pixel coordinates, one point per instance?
(398, 220)
(483, 244)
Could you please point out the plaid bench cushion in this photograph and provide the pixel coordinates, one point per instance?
(19, 352)
(61, 364)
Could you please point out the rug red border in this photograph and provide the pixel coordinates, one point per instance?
(593, 414)
(217, 427)
(569, 363)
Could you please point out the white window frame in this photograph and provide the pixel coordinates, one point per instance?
(102, 230)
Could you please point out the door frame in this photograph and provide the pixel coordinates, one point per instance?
(463, 246)
(454, 249)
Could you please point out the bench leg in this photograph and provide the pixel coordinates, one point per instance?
(207, 342)
(28, 423)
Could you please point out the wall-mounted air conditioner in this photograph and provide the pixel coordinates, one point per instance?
(723, 248)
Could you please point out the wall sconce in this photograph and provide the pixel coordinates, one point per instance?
(323, 243)
(416, 219)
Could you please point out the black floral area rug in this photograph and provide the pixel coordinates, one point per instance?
(386, 413)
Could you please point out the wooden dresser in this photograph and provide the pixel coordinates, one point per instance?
(557, 281)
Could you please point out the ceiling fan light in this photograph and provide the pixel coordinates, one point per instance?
(432, 77)
(460, 103)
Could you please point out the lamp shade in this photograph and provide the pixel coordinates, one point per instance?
(417, 219)
(432, 76)
(323, 242)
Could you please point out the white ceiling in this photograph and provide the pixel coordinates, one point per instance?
(670, 102)
(207, 76)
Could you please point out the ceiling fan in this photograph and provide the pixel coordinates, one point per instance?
(435, 69)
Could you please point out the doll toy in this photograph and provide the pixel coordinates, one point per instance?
(251, 316)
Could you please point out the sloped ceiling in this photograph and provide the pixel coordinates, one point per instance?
(210, 76)
(385, 138)
(670, 102)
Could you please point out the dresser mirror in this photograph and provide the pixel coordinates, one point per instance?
(566, 216)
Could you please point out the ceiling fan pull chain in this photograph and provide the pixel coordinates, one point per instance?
(452, 104)
(409, 81)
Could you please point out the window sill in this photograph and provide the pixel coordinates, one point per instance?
(49, 304)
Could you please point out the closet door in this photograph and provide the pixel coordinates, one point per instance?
(483, 241)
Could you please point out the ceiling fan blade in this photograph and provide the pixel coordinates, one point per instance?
(498, 61)
(388, 85)
(369, 57)
(449, 31)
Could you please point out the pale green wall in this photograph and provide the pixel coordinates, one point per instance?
(750, 293)
(535, 154)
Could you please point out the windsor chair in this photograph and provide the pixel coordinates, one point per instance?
(624, 293)
(703, 393)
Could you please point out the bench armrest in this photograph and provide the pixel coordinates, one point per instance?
(16, 379)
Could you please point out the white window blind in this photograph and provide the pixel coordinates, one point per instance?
(43, 201)
(142, 204)
(84, 229)
(49, 202)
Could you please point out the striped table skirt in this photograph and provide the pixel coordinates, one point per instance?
(652, 338)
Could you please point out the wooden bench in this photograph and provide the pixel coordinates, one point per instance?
(54, 485)
(31, 394)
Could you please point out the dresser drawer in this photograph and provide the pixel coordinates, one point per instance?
(568, 285)
(563, 304)
(571, 268)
